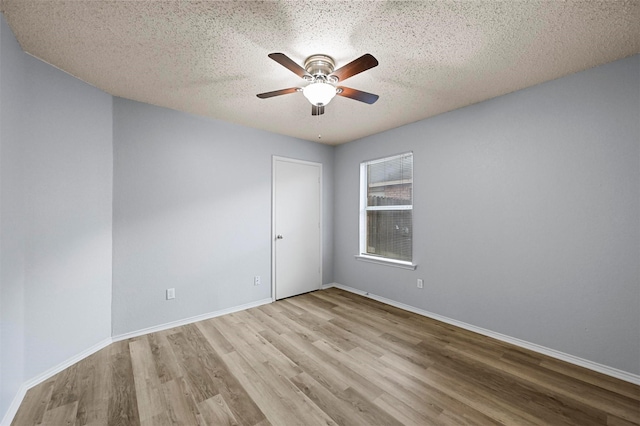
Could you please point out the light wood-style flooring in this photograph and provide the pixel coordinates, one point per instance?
(325, 358)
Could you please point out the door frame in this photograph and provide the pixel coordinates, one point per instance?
(275, 159)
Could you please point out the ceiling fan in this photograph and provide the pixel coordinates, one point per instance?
(319, 72)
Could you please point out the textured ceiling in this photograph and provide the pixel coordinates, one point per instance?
(210, 58)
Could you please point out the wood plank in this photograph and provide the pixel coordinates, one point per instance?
(151, 400)
(431, 398)
(405, 413)
(61, 415)
(34, 404)
(290, 321)
(264, 315)
(214, 337)
(337, 368)
(591, 377)
(123, 402)
(481, 398)
(190, 362)
(325, 331)
(234, 394)
(306, 304)
(578, 394)
(317, 369)
(65, 388)
(180, 407)
(285, 306)
(165, 360)
(501, 392)
(215, 411)
(247, 339)
(347, 407)
(616, 421)
(94, 379)
(275, 395)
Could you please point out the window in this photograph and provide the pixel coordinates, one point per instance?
(386, 209)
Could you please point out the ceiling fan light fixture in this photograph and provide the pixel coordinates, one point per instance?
(319, 71)
(319, 93)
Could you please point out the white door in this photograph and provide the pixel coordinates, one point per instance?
(296, 227)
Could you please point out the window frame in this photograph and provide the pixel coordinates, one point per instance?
(362, 233)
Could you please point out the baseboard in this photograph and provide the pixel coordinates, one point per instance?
(600, 368)
(326, 286)
(17, 400)
(190, 320)
(13, 408)
(22, 391)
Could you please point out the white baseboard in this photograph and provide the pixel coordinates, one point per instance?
(22, 391)
(17, 400)
(190, 320)
(13, 408)
(600, 368)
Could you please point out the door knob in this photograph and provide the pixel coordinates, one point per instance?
(279, 237)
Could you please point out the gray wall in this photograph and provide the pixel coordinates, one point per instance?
(192, 211)
(56, 199)
(526, 215)
(12, 89)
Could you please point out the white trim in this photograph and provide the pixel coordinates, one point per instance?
(15, 405)
(362, 216)
(40, 378)
(67, 363)
(329, 285)
(600, 368)
(391, 182)
(274, 159)
(364, 208)
(390, 208)
(190, 320)
(387, 262)
(388, 157)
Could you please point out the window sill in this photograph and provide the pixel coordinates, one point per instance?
(386, 262)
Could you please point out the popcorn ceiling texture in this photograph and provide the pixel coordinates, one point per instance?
(210, 58)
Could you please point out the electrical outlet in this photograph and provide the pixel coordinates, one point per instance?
(420, 283)
(256, 280)
(171, 293)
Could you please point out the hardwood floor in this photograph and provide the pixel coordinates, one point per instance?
(325, 358)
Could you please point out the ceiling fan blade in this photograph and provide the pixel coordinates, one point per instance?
(317, 110)
(358, 95)
(288, 63)
(277, 93)
(356, 66)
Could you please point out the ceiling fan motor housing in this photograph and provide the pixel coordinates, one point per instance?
(319, 65)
